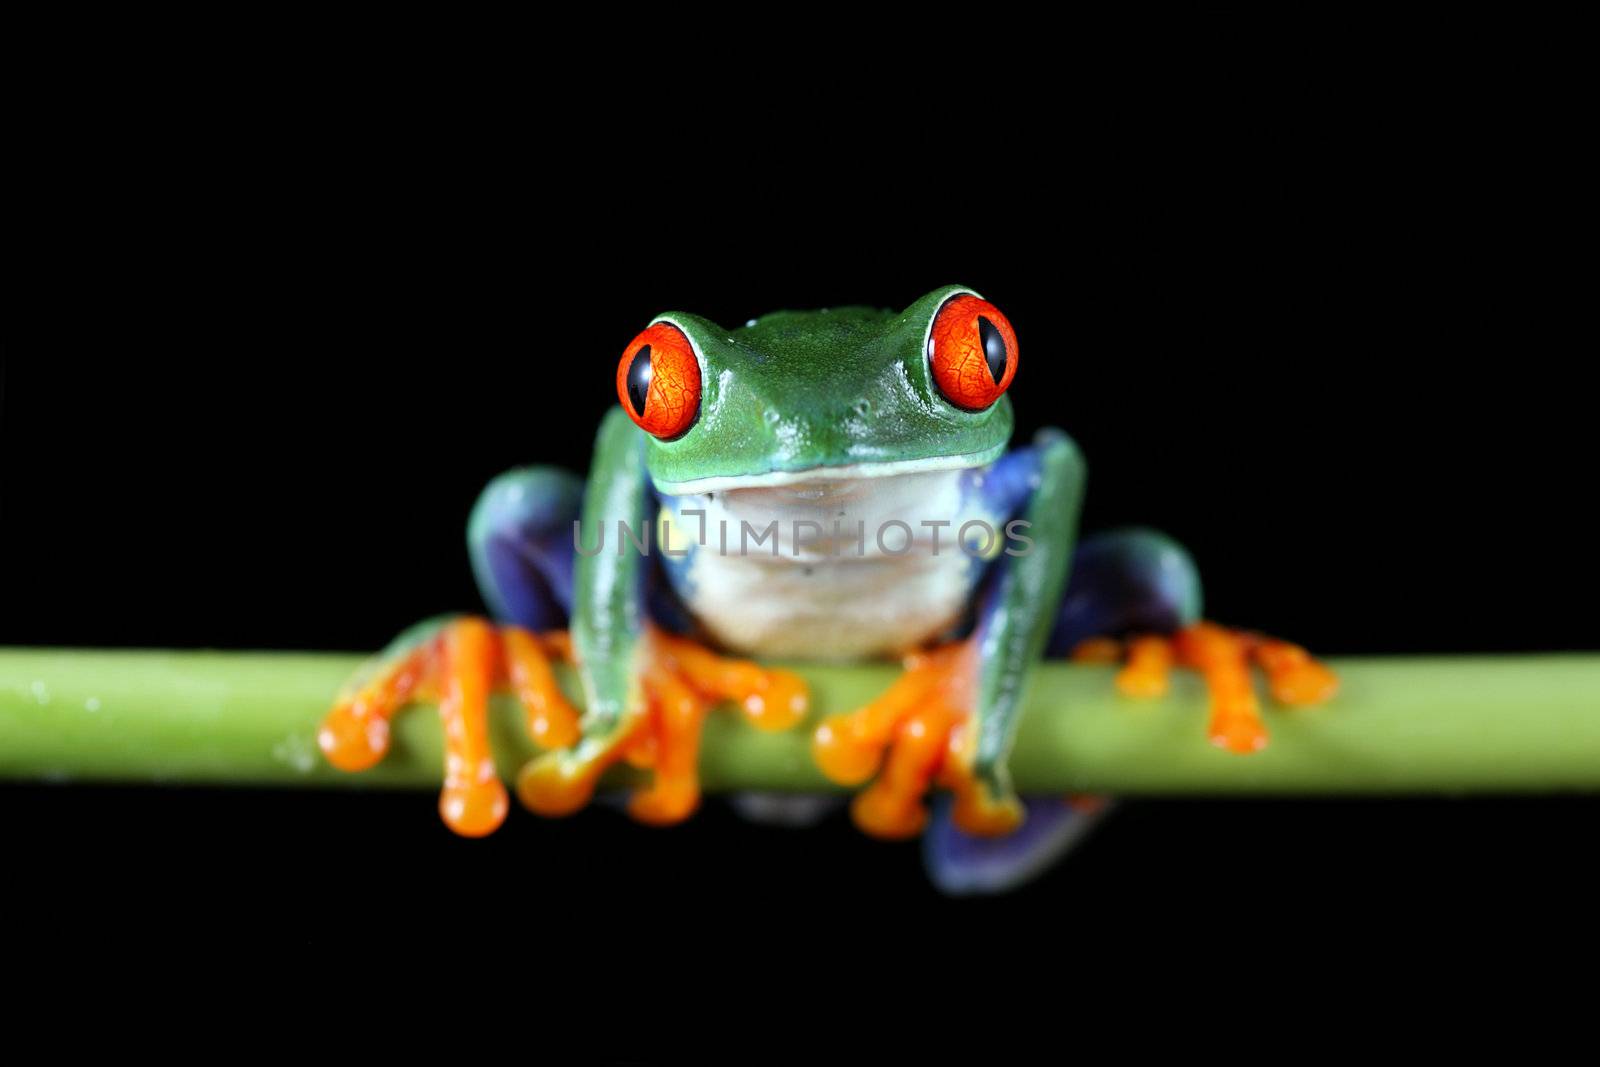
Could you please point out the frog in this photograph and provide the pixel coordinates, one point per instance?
(835, 485)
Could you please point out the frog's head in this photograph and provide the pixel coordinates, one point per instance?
(845, 392)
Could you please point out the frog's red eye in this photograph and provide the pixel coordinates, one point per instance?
(658, 381)
(972, 352)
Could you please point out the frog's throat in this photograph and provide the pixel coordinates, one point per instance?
(841, 472)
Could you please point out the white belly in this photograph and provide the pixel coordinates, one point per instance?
(844, 598)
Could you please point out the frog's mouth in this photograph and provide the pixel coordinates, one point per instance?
(722, 483)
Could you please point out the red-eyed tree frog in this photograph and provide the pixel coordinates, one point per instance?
(812, 485)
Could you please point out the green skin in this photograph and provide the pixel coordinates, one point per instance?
(801, 391)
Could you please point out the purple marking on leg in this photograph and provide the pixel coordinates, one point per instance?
(960, 864)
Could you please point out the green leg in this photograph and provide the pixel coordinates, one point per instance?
(1014, 623)
(970, 692)
(608, 620)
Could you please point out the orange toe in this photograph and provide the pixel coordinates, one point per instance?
(841, 754)
(978, 814)
(476, 808)
(552, 721)
(1243, 734)
(1293, 675)
(1222, 656)
(556, 784)
(1148, 669)
(888, 813)
(355, 734)
(664, 803)
(906, 737)
(352, 742)
(1308, 683)
(779, 703)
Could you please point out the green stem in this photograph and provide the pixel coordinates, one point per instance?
(1510, 723)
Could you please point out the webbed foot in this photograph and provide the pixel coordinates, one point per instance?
(912, 737)
(459, 663)
(678, 682)
(1222, 656)
(462, 661)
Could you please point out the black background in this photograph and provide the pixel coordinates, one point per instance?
(258, 405)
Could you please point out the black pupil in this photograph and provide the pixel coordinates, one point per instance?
(639, 373)
(994, 349)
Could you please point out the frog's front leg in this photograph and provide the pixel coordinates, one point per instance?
(952, 717)
(520, 543)
(647, 691)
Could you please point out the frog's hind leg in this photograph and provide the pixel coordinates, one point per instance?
(520, 540)
(1122, 581)
(1139, 603)
(457, 661)
(1131, 581)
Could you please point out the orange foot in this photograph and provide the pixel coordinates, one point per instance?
(1222, 656)
(681, 680)
(463, 662)
(913, 736)
(458, 666)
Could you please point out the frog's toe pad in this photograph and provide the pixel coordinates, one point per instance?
(1303, 683)
(352, 741)
(474, 808)
(980, 812)
(556, 784)
(664, 803)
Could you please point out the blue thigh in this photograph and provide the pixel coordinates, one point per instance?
(520, 541)
(1126, 581)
